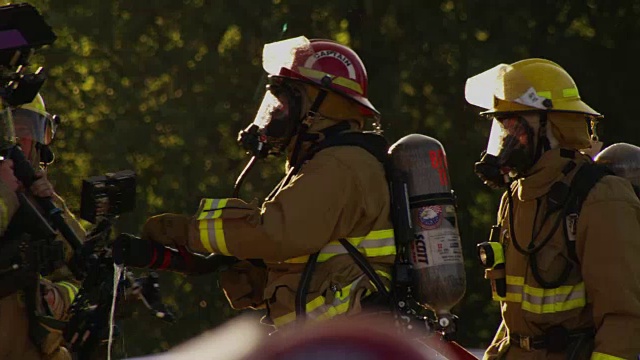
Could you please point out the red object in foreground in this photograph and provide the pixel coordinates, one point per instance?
(357, 339)
(450, 349)
(345, 338)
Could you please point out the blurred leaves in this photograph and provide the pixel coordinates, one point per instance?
(163, 87)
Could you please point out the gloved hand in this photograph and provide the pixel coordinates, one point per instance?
(142, 253)
(130, 250)
(167, 229)
(42, 187)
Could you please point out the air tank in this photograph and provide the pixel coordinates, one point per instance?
(435, 253)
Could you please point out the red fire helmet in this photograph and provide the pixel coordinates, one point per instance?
(320, 62)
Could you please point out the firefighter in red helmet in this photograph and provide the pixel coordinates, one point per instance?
(292, 260)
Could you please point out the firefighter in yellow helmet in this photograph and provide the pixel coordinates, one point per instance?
(559, 258)
(317, 93)
(33, 308)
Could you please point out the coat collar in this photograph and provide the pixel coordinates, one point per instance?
(546, 171)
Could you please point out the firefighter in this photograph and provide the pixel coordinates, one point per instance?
(317, 92)
(568, 284)
(31, 328)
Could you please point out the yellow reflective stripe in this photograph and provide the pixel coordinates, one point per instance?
(561, 290)
(318, 309)
(217, 205)
(72, 290)
(5, 214)
(212, 236)
(554, 307)
(570, 92)
(542, 301)
(515, 280)
(544, 94)
(385, 275)
(376, 243)
(204, 236)
(299, 260)
(210, 225)
(496, 297)
(513, 297)
(374, 235)
(338, 80)
(603, 356)
(311, 306)
(567, 93)
(207, 205)
(222, 244)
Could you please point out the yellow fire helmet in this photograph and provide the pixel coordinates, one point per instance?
(526, 85)
(32, 121)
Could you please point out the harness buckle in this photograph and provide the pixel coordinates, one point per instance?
(524, 342)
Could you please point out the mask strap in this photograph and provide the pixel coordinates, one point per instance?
(543, 141)
(306, 123)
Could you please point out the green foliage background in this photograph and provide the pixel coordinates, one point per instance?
(163, 87)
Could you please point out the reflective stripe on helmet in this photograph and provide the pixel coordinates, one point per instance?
(337, 80)
(376, 243)
(319, 309)
(545, 301)
(36, 105)
(566, 93)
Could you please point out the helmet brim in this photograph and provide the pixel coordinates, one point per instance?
(575, 106)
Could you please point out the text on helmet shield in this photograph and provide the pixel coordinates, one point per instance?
(333, 54)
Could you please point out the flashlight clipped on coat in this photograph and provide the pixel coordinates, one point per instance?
(491, 255)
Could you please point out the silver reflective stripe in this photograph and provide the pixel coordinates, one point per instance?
(542, 301)
(552, 299)
(376, 243)
(211, 209)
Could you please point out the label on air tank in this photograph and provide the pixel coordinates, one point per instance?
(437, 241)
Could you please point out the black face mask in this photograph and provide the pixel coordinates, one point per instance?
(510, 152)
(489, 171)
(276, 122)
(46, 154)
